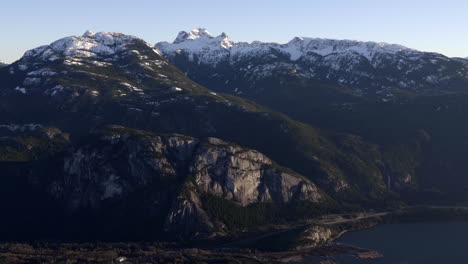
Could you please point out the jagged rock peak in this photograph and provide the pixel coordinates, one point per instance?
(89, 33)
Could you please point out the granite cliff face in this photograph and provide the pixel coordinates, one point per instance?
(247, 176)
(175, 170)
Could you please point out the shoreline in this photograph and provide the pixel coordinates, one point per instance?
(152, 252)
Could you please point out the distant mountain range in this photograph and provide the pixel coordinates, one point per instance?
(376, 70)
(205, 137)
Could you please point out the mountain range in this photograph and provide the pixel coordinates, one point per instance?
(374, 70)
(105, 136)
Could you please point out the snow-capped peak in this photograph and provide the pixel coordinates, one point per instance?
(194, 34)
(89, 33)
(199, 42)
(88, 45)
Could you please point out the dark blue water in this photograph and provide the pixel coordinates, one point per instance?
(415, 243)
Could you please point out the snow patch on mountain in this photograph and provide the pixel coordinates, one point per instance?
(21, 90)
(21, 127)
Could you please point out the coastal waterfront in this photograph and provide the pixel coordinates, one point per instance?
(413, 243)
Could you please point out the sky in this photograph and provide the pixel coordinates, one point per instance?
(427, 25)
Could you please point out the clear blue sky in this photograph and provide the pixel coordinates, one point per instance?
(429, 25)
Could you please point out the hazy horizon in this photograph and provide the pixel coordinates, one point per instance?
(423, 25)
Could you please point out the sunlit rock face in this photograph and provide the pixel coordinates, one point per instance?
(174, 170)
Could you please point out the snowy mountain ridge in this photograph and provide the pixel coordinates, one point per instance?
(365, 67)
(96, 55)
(90, 44)
(210, 49)
(372, 68)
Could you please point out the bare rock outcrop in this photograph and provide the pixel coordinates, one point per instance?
(174, 170)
